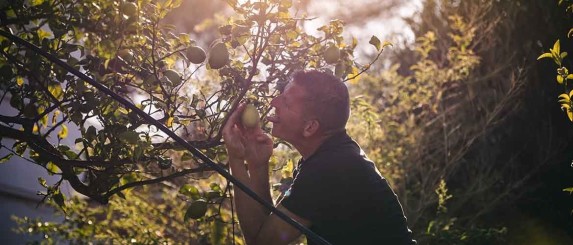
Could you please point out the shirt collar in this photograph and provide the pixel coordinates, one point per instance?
(331, 142)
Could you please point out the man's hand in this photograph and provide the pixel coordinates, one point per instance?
(259, 148)
(234, 137)
(250, 144)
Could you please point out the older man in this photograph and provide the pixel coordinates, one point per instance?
(337, 192)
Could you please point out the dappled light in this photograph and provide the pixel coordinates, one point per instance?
(464, 107)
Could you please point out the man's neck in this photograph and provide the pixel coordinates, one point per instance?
(310, 145)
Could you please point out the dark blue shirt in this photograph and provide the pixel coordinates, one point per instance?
(344, 196)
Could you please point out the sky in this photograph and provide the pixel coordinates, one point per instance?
(393, 28)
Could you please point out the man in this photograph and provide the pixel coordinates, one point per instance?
(337, 192)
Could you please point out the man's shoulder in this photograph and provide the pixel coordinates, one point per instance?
(343, 153)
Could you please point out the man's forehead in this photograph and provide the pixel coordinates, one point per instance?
(292, 89)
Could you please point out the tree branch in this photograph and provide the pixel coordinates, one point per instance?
(181, 173)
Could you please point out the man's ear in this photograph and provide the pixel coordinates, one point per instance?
(311, 128)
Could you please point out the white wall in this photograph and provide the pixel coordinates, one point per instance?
(19, 185)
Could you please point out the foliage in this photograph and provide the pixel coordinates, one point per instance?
(480, 123)
(450, 124)
(102, 149)
(443, 229)
(563, 75)
(434, 115)
(138, 218)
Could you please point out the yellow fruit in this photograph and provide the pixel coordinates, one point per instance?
(196, 210)
(218, 56)
(173, 76)
(332, 54)
(129, 9)
(250, 117)
(196, 55)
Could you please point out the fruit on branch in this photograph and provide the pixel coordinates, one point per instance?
(250, 117)
(196, 55)
(129, 9)
(173, 76)
(218, 56)
(332, 54)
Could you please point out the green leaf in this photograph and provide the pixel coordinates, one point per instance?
(215, 187)
(128, 178)
(184, 38)
(291, 35)
(559, 79)
(6, 158)
(376, 42)
(137, 152)
(570, 33)
(286, 3)
(186, 156)
(169, 122)
(563, 55)
(56, 91)
(570, 189)
(63, 132)
(545, 55)
(196, 210)
(20, 81)
(354, 43)
(354, 75)
(42, 182)
(10, 13)
(44, 34)
(386, 44)
(90, 134)
(564, 98)
(36, 2)
(20, 147)
(557, 47)
(570, 76)
(190, 191)
(59, 198)
(122, 110)
(129, 137)
(52, 168)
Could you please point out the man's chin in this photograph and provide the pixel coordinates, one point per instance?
(275, 132)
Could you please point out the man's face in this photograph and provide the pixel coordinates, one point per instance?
(289, 118)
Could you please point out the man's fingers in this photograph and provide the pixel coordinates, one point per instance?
(234, 118)
(264, 138)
